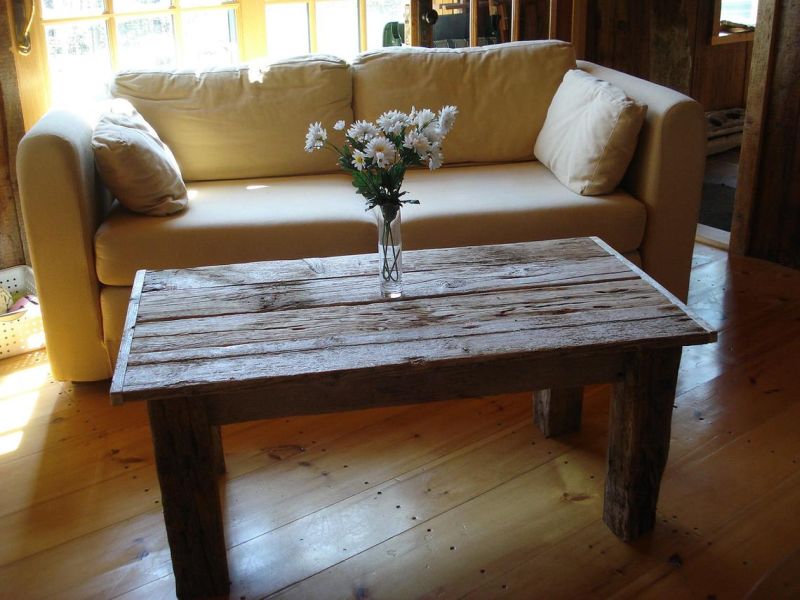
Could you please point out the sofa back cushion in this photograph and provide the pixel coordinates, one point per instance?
(221, 125)
(502, 92)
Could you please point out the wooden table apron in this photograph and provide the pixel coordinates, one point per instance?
(189, 455)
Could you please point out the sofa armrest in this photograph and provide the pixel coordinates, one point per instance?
(62, 208)
(666, 173)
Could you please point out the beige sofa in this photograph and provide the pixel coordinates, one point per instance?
(255, 195)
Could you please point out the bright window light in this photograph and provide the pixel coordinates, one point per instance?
(287, 30)
(337, 28)
(210, 38)
(146, 42)
(9, 442)
(739, 11)
(19, 392)
(15, 412)
(79, 60)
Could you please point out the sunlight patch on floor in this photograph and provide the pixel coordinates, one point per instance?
(19, 392)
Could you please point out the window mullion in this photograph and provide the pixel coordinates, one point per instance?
(312, 25)
(177, 32)
(362, 25)
(111, 32)
(237, 14)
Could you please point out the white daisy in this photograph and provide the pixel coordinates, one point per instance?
(447, 117)
(392, 122)
(383, 147)
(425, 117)
(434, 133)
(316, 137)
(359, 160)
(417, 142)
(362, 131)
(339, 125)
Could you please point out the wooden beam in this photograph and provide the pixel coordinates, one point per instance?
(12, 242)
(188, 462)
(473, 23)
(418, 32)
(638, 441)
(515, 16)
(766, 220)
(578, 33)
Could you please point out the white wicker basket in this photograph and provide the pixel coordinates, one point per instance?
(20, 331)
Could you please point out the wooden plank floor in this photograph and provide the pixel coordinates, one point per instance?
(453, 499)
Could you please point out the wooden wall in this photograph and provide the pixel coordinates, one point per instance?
(12, 251)
(534, 19)
(721, 72)
(669, 43)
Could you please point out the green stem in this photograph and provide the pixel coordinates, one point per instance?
(389, 271)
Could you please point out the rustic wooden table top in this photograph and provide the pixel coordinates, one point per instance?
(208, 329)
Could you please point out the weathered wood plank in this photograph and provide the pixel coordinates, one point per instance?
(558, 410)
(417, 338)
(409, 319)
(120, 370)
(657, 286)
(638, 440)
(159, 305)
(185, 458)
(360, 390)
(366, 264)
(398, 314)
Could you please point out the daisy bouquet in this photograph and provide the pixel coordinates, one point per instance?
(376, 155)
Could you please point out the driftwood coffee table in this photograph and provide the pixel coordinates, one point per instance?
(216, 345)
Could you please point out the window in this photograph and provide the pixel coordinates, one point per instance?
(88, 39)
(734, 21)
(742, 12)
(80, 43)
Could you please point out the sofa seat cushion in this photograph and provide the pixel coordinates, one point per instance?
(517, 202)
(238, 221)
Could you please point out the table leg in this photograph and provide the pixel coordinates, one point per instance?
(638, 440)
(558, 411)
(216, 448)
(187, 471)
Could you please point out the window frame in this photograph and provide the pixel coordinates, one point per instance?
(720, 37)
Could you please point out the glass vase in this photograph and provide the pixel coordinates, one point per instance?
(390, 252)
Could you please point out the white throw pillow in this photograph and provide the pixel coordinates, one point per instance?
(590, 134)
(136, 166)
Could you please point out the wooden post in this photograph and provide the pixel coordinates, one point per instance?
(515, 16)
(558, 411)
(767, 208)
(418, 32)
(638, 440)
(187, 471)
(473, 23)
(578, 33)
(12, 241)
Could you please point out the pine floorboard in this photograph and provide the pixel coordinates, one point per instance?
(453, 499)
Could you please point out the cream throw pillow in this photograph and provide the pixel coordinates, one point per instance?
(590, 134)
(136, 166)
